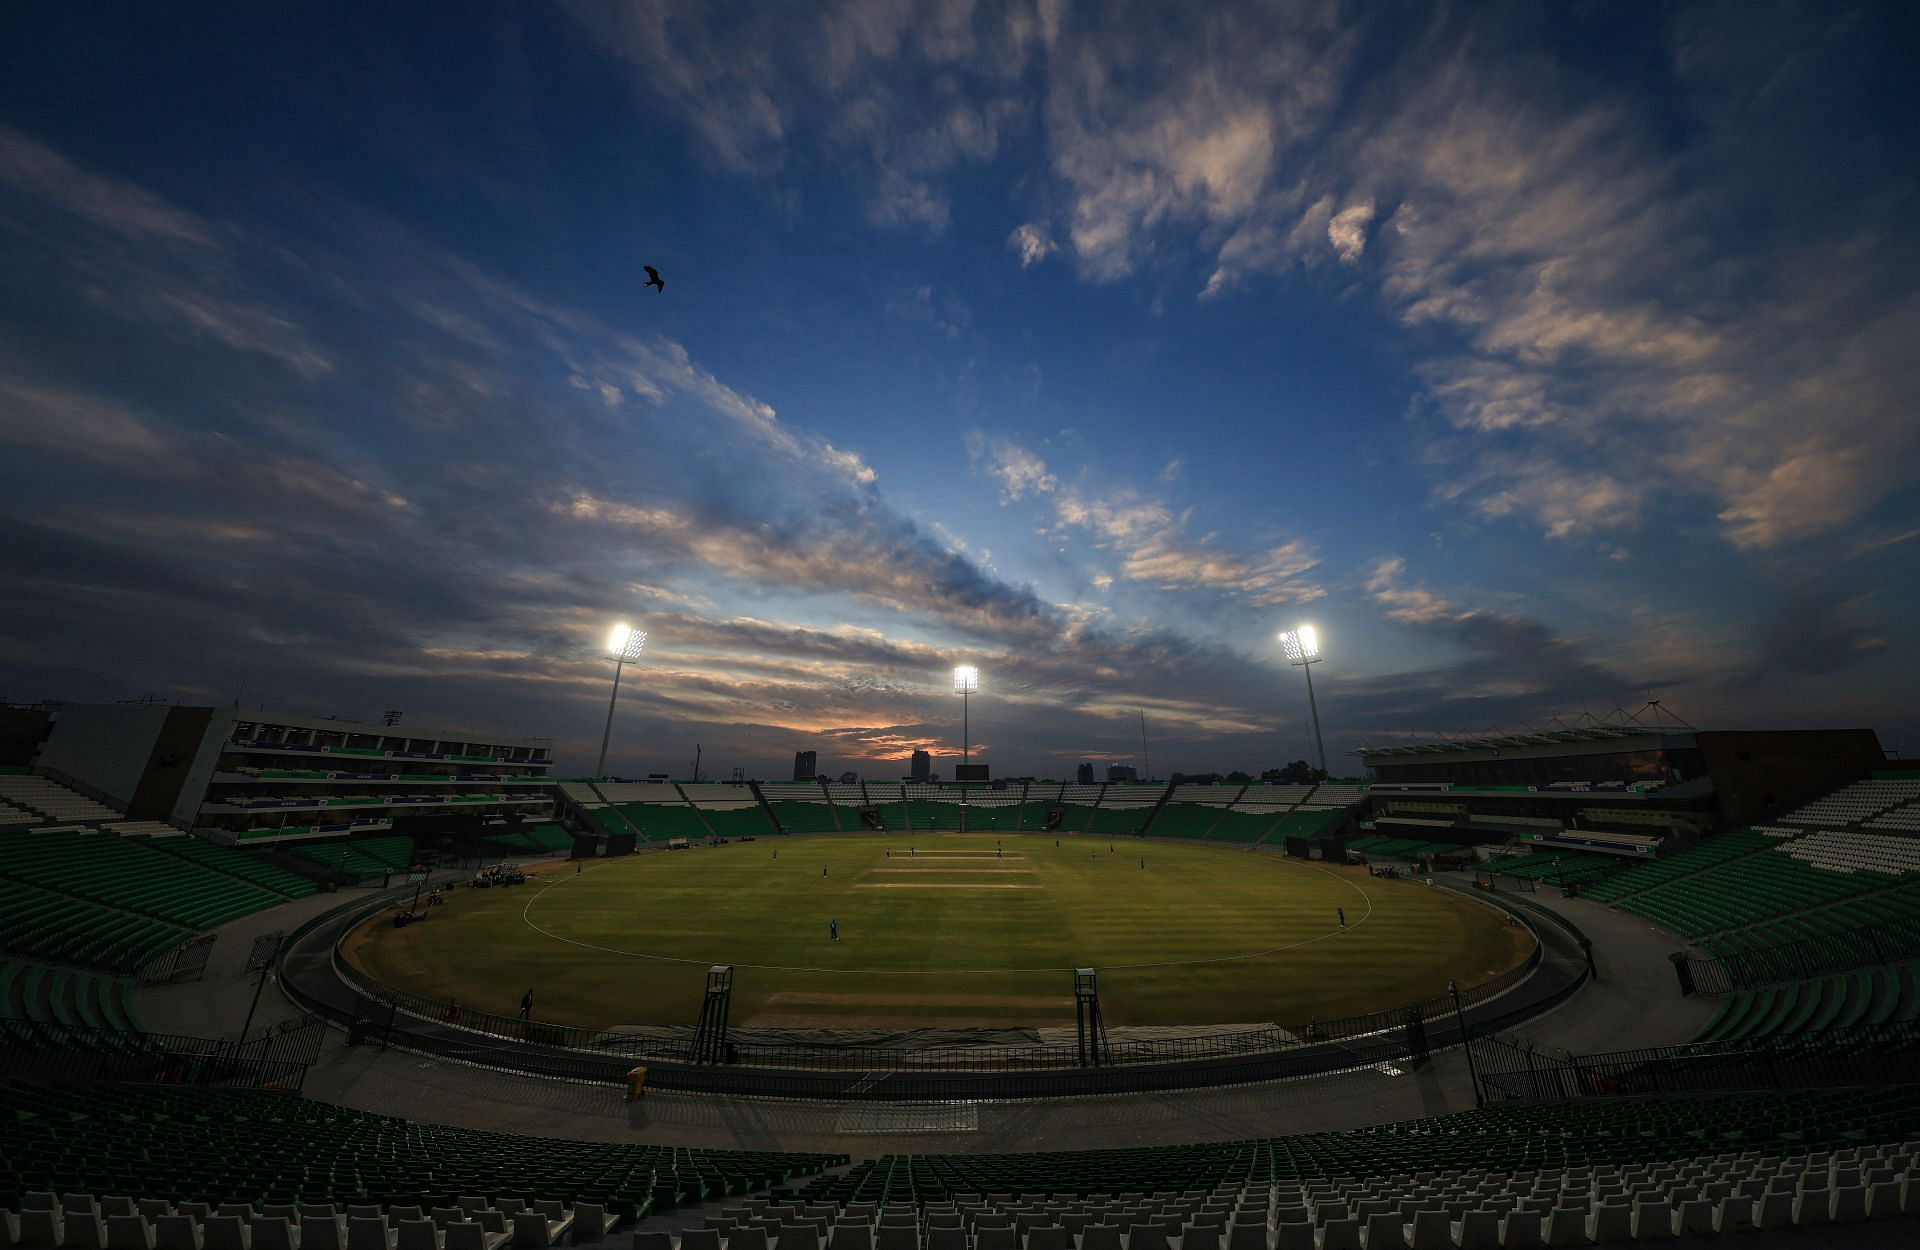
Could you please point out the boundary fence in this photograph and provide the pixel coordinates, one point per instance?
(1867, 946)
(383, 1004)
(315, 975)
(1515, 1071)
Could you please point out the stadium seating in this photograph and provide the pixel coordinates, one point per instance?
(1185, 820)
(740, 820)
(1474, 1146)
(131, 875)
(1557, 866)
(363, 859)
(658, 822)
(1709, 854)
(1852, 804)
(800, 807)
(1235, 825)
(239, 864)
(1857, 852)
(49, 925)
(1860, 923)
(245, 1147)
(41, 994)
(50, 802)
(1889, 995)
(729, 809)
(1306, 822)
(1748, 890)
(545, 839)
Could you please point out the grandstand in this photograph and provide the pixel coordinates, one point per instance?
(800, 807)
(545, 839)
(265, 778)
(654, 811)
(89, 893)
(730, 810)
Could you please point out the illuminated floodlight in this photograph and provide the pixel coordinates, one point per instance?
(625, 642)
(624, 645)
(1302, 649)
(1301, 645)
(966, 681)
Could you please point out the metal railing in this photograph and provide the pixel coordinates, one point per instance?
(384, 1005)
(185, 962)
(1870, 1054)
(278, 1058)
(1867, 946)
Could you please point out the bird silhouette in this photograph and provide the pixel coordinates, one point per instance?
(654, 279)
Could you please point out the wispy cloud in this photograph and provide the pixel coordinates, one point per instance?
(1152, 541)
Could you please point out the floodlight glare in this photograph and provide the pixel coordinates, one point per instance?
(1301, 645)
(966, 679)
(624, 645)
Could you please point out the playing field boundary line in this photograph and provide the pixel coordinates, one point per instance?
(526, 918)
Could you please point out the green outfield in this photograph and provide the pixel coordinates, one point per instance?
(946, 931)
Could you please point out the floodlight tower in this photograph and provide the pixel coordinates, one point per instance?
(1302, 647)
(966, 680)
(624, 646)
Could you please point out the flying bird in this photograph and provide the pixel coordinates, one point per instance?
(654, 279)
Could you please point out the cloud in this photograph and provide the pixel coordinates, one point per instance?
(1347, 231)
(84, 427)
(33, 169)
(1019, 472)
(758, 87)
(1152, 541)
(1031, 243)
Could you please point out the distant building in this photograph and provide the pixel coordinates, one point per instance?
(1122, 772)
(260, 778)
(922, 766)
(1085, 775)
(803, 765)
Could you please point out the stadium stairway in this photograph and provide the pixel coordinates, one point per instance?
(44, 994)
(1888, 995)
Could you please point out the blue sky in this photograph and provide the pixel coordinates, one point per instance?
(1542, 356)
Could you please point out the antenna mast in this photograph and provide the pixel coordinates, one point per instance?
(1145, 768)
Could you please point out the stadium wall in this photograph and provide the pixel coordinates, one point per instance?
(1759, 774)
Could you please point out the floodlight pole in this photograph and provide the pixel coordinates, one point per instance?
(625, 645)
(1319, 743)
(965, 730)
(606, 735)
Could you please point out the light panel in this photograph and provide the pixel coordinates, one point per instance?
(966, 679)
(1301, 645)
(625, 642)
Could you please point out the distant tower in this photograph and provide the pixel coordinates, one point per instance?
(1122, 772)
(922, 766)
(1085, 775)
(803, 765)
